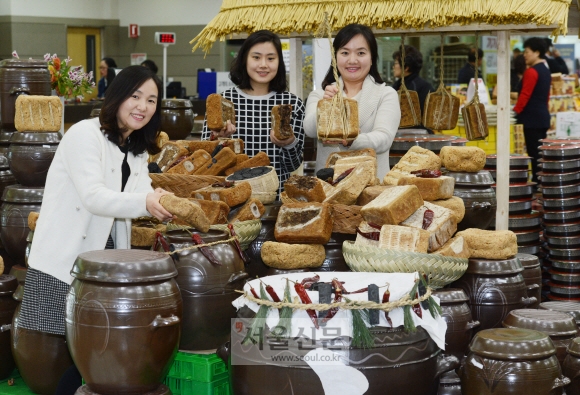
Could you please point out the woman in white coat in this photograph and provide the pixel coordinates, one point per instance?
(355, 49)
(96, 183)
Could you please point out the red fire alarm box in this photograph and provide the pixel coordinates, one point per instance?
(133, 31)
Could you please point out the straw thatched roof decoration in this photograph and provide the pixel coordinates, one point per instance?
(284, 17)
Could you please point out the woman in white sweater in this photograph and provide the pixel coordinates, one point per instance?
(96, 183)
(355, 48)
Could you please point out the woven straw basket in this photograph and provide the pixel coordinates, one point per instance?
(442, 270)
(268, 182)
(264, 197)
(182, 185)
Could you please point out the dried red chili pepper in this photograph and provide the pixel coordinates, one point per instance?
(425, 173)
(358, 291)
(373, 225)
(428, 216)
(342, 176)
(160, 242)
(271, 292)
(253, 291)
(299, 288)
(308, 281)
(337, 285)
(417, 308)
(337, 298)
(369, 235)
(242, 254)
(386, 297)
(206, 251)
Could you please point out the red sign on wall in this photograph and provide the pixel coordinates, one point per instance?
(133, 31)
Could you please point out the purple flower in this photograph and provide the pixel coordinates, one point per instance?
(46, 57)
(14, 54)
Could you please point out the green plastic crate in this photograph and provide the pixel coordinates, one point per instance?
(191, 387)
(198, 367)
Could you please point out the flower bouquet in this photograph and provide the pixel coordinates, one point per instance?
(66, 80)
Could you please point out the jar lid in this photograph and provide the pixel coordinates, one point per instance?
(21, 194)
(451, 295)
(5, 137)
(35, 138)
(528, 261)
(450, 378)
(494, 266)
(553, 323)
(512, 343)
(8, 284)
(176, 103)
(574, 347)
(123, 266)
(572, 308)
(7, 63)
(481, 178)
(4, 162)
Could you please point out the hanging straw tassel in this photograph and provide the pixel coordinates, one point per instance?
(289, 16)
(408, 100)
(473, 113)
(441, 107)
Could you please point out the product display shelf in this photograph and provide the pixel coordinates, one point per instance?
(517, 142)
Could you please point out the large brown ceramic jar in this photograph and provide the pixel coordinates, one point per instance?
(559, 326)
(8, 285)
(41, 358)
(532, 277)
(478, 198)
(177, 118)
(257, 267)
(30, 155)
(17, 202)
(449, 384)
(207, 289)
(460, 323)
(571, 367)
(5, 143)
(572, 308)
(400, 363)
(511, 361)
(6, 176)
(123, 313)
(161, 390)
(494, 287)
(20, 76)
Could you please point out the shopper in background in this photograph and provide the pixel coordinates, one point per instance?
(467, 72)
(260, 77)
(413, 65)
(150, 65)
(106, 69)
(96, 183)
(532, 105)
(516, 74)
(379, 114)
(555, 62)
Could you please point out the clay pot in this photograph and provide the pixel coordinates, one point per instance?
(5, 137)
(494, 288)
(571, 367)
(511, 361)
(561, 327)
(207, 289)
(532, 277)
(517, 162)
(571, 308)
(41, 358)
(257, 267)
(123, 304)
(161, 390)
(17, 202)
(431, 142)
(177, 118)
(460, 323)
(478, 198)
(6, 176)
(8, 285)
(20, 76)
(30, 156)
(405, 362)
(449, 384)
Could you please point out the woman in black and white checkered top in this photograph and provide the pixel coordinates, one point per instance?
(260, 77)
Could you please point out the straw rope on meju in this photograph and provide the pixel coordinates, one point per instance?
(297, 16)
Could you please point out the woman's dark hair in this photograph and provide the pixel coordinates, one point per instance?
(413, 59)
(537, 44)
(239, 72)
(520, 64)
(343, 37)
(150, 65)
(110, 62)
(122, 87)
(471, 55)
